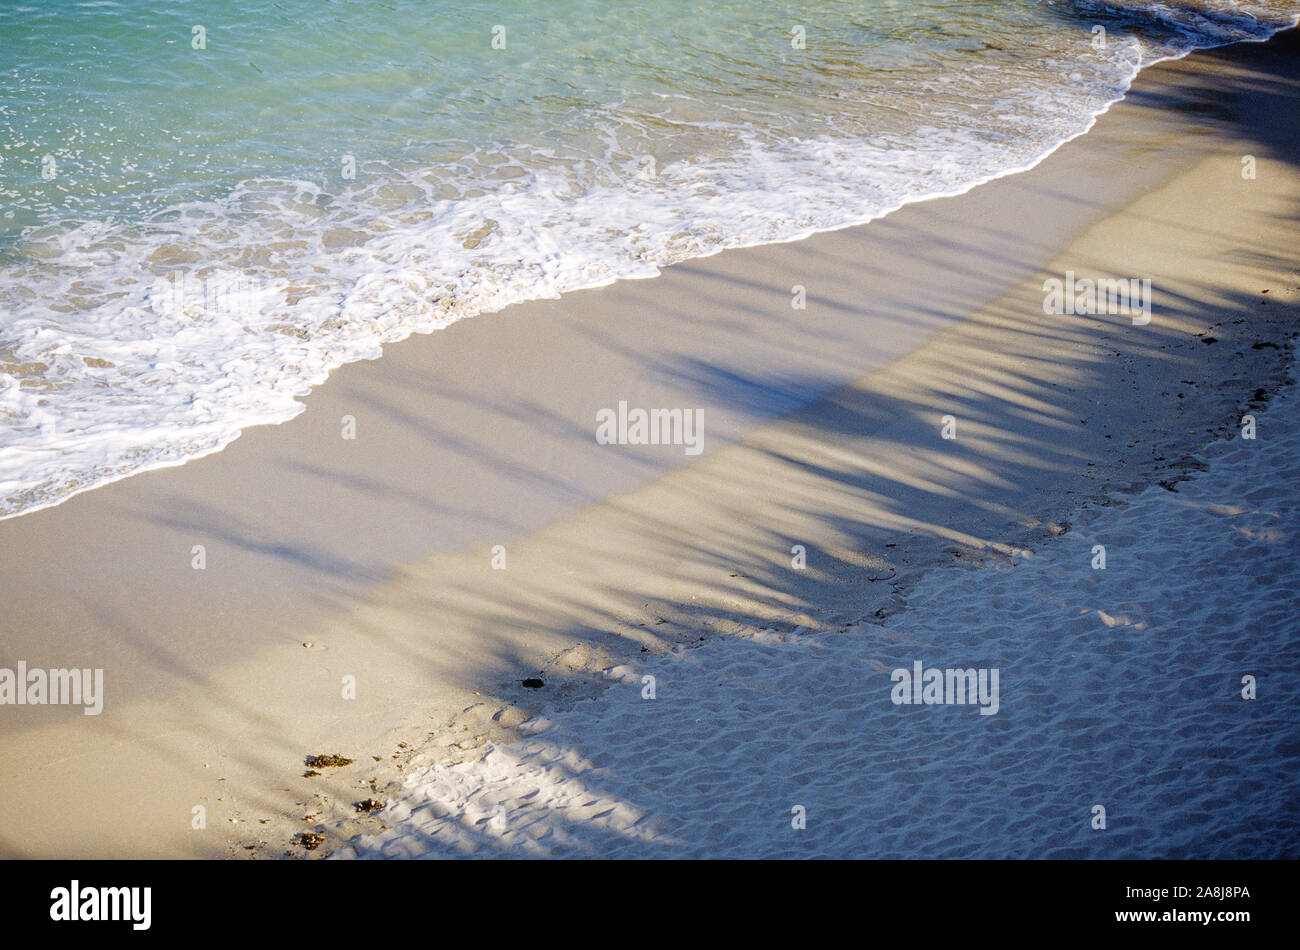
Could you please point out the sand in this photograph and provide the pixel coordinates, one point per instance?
(1120, 687)
(372, 558)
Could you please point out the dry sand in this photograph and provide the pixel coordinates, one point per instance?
(1120, 686)
(821, 429)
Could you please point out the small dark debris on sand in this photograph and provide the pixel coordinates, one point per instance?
(332, 761)
(368, 805)
(533, 683)
(311, 840)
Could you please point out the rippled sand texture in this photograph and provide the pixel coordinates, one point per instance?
(1119, 687)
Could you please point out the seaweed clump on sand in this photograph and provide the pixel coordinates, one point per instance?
(368, 805)
(333, 761)
(311, 840)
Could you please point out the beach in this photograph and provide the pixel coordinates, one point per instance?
(781, 745)
(378, 576)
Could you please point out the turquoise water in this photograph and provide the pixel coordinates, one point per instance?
(193, 234)
(136, 118)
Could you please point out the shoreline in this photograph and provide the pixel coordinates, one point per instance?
(382, 560)
(89, 479)
(103, 480)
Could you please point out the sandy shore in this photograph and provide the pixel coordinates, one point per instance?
(1109, 715)
(372, 558)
